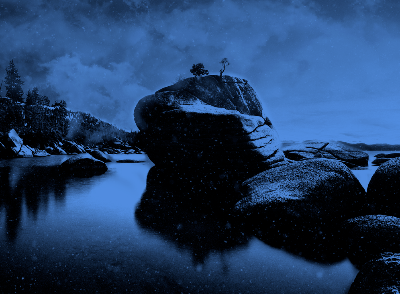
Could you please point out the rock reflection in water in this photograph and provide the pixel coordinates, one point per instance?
(195, 212)
(191, 212)
(314, 242)
(32, 187)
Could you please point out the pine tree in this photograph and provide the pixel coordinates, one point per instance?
(32, 98)
(14, 83)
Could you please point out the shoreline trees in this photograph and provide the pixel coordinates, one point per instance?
(38, 123)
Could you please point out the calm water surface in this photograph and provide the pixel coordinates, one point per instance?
(81, 235)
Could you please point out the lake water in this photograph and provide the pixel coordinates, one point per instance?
(83, 235)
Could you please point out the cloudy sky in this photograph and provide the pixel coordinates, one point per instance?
(327, 70)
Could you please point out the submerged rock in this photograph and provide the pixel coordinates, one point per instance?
(383, 193)
(207, 122)
(83, 165)
(371, 235)
(330, 150)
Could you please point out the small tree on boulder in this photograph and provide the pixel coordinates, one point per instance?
(224, 63)
(198, 70)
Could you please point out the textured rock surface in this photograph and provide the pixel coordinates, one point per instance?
(330, 150)
(378, 276)
(207, 123)
(313, 189)
(316, 189)
(83, 165)
(383, 193)
(371, 235)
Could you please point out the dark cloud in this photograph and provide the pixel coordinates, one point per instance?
(310, 61)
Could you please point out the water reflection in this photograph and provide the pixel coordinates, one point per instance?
(197, 221)
(31, 186)
(321, 243)
(193, 211)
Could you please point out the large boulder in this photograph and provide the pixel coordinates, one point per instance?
(83, 165)
(371, 235)
(378, 276)
(208, 123)
(383, 192)
(299, 205)
(312, 190)
(331, 150)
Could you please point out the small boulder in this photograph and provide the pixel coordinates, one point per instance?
(40, 153)
(378, 276)
(383, 192)
(17, 146)
(371, 235)
(382, 157)
(59, 151)
(83, 165)
(389, 155)
(330, 150)
(380, 160)
(99, 155)
(72, 147)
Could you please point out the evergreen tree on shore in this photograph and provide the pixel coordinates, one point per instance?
(14, 83)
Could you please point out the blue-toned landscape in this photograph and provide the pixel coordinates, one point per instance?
(191, 146)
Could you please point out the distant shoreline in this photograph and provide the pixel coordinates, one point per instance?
(358, 146)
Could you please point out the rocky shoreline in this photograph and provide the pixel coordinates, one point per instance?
(12, 146)
(215, 151)
(85, 162)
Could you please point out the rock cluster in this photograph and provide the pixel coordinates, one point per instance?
(212, 148)
(12, 145)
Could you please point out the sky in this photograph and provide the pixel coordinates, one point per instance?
(323, 70)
